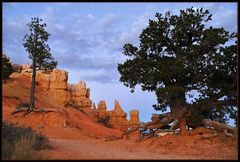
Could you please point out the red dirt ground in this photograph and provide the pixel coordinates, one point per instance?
(74, 135)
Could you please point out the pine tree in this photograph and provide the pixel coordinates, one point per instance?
(36, 45)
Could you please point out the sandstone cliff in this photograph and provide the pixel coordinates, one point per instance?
(55, 86)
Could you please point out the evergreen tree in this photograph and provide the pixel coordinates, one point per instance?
(39, 53)
(178, 54)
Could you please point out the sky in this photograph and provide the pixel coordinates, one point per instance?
(87, 40)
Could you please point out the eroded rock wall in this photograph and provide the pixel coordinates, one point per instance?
(55, 85)
(61, 94)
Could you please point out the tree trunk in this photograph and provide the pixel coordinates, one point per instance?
(32, 98)
(182, 126)
(220, 127)
(179, 110)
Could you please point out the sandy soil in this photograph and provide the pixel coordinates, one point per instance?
(100, 149)
(129, 149)
(74, 135)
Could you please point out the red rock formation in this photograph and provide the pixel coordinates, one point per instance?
(101, 111)
(134, 118)
(79, 97)
(118, 118)
(55, 86)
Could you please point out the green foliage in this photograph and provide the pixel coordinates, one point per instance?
(35, 45)
(104, 121)
(179, 53)
(20, 143)
(7, 67)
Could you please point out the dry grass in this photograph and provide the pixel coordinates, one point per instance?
(20, 143)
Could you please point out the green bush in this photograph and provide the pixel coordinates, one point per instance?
(7, 67)
(21, 143)
(104, 121)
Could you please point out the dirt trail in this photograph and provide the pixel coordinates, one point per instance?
(100, 149)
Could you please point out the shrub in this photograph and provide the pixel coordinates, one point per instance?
(7, 68)
(21, 143)
(104, 121)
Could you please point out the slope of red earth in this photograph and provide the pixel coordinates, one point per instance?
(74, 135)
(68, 124)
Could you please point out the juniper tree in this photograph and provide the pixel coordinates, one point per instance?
(178, 54)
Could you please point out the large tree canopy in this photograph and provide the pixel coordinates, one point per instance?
(180, 53)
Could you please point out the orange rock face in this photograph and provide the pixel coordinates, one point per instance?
(78, 95)
(118, 118)
(134, 117)
(101, 111)
(57, 87)
(54, 84)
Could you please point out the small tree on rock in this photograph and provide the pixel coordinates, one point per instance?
(36, 45)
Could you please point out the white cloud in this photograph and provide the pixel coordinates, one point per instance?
(223, 16)
(50, 15)
(107, 21)
(90, 16)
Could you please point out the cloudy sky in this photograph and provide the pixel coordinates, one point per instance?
(87, 39)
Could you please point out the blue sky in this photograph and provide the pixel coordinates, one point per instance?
(87, 39)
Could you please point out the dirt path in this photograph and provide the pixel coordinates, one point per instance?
(100, 149)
